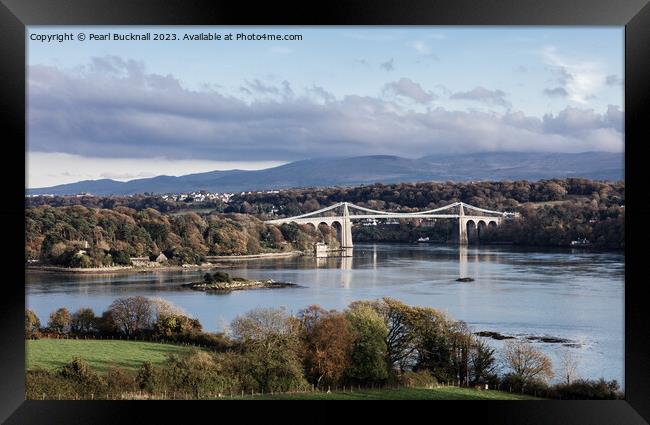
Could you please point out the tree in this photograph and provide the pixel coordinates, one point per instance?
(60, 321)
(568, 366)
(327, 343)
(269, 342)
(163, 308)
(397, 317)
(32, 324)
(527, 363)
(483, 363)
(369, 351)
(132, 314)
(83, 320)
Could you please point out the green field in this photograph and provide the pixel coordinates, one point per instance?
(99, 354)
(441, 393)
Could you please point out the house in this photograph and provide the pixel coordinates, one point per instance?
(161, 258)
(580, 242)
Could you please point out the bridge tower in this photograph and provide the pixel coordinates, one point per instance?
(462, 226)
(346, 229)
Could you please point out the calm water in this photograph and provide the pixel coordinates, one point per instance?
(562, 293)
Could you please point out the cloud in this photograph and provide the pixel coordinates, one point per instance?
(575, 121)
(423, 49)
(320, 93)
(407, 88)
(580, 79)
(556, 92)
(388, 65)
(258, 87)
(613, 80)
(481, 94)
(121, 110)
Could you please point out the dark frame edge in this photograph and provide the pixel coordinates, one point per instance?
(637, 96)
(634, 14)
(12, 101)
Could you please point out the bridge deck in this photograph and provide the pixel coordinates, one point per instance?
(380, 216)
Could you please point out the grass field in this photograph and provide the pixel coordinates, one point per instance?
(100, 355)
(441, 393)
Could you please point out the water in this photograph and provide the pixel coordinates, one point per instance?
(570, 294)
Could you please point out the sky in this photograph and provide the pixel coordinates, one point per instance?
(124, 109)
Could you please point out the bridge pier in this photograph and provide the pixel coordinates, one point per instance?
(462, 227)
(346, 229)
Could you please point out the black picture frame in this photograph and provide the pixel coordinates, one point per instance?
(15, 15)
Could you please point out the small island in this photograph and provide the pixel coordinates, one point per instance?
(223, 282)
(465, 279)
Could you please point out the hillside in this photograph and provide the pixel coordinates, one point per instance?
(325, 172)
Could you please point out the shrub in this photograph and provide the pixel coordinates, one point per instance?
(84, 380)
(586, 389)
(419, 379)
(146, 378)
(221, 277)
(119, 381)
(41, 382)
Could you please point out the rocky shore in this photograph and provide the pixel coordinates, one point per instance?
(532, 338)
(237, 284)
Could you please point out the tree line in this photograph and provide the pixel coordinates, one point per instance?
(552, 213)
(78, 236)
(380, 342)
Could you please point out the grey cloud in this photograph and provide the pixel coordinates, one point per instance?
(321, 93)
(407, 88)
(481, 94)
(125, 112)
(388, 65)
(613, 80)
(556, 92)
(575, 121)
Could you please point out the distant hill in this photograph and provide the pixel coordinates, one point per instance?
(367, 170)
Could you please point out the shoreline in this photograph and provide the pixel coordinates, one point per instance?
(219, 261)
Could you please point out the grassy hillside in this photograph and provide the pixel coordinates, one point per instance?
(442, 393)
(100, 355)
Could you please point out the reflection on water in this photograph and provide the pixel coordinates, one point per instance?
(568, 294)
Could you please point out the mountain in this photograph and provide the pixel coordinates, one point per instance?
(367, 170)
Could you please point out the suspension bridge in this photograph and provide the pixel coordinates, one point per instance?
(471, 220)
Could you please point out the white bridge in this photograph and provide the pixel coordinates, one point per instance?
(471, 219)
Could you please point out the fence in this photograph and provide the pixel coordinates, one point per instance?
(243, 394)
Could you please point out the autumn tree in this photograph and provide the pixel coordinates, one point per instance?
(60, 321)
(32, 324)
(526, 363)
(327, 342)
